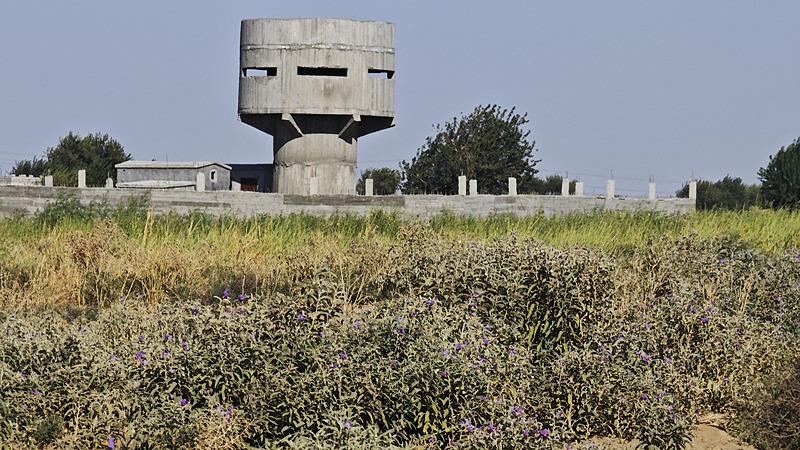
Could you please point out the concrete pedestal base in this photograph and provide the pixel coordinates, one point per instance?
(328, 158)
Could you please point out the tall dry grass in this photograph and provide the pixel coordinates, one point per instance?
(95, 260)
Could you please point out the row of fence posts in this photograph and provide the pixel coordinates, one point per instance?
(462, 186)
(512, 188)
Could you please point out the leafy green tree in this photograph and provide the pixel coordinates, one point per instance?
(728, 193)
(385, 181)
(490, 144)
(97, 153)
(35, 167)
(780, 180)
(551, 185)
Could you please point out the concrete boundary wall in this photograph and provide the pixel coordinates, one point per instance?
(29, 200)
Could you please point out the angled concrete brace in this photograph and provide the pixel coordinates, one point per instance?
(288, 118)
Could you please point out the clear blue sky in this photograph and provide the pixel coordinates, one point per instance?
(662, 89)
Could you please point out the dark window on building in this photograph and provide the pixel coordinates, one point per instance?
(322, 71)
(249, 184)
(380, 73)
(260, 71)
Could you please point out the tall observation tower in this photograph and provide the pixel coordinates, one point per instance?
(316, 86)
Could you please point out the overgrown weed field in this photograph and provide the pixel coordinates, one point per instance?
(120, 329)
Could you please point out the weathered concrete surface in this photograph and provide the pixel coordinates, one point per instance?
(20, 180)
(29, 200)
(316, 85)
(138, 174)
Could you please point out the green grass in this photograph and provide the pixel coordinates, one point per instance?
(772, 231)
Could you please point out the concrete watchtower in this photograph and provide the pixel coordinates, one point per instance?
(316, 86)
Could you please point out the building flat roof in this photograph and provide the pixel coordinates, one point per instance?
(168, 165)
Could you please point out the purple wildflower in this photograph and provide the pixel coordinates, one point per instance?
(112, 443)
(166, 354)
(402, 331)
(184, 402)
(141, 338)
(544, 433)
(491, 428)
(241, 310)
(661, 394)
(357, 324)
(512, 350)
(485, 341)
(167, 337)
(113, 357)
(430, 302)
(394, 364)
(483, 398)
(645, 397)
(185, 345)
(645, 357)
(230, 411)
(723, 261)
(444, 374)
(470, 428)
(195, 310)
(302, 317)
(343, 356)
(705, 320)
(446, 352)
(242, 297)
(347, 424)
(139, 356)
(779, 299)
(36, 392)
(412, 314)
(334, 365)
(517, 410)
(226, 294)
(459, 346)
(668, 360)
(526, 433)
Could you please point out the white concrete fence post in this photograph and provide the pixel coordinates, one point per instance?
(236, 186)
(579, 189)
(565, 187)
(369, 187)
(651, 191)
(473, 187)
(462, 185)
(109, 183)
(512, 186)
(610, 189)
(200, 182)
(313, 186)
(693, 190)
(48, 181)
(81, 178)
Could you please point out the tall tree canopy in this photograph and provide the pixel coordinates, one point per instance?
(780, 180)
(490, 144)
(727, 193)
(97, 153)
(385, 181)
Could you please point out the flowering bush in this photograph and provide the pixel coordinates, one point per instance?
(502, 345)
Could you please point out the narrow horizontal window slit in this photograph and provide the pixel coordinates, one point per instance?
(381, 73)
(260, 71)
(322, 71)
